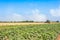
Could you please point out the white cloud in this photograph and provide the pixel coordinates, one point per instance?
(55, 12)
(37, 16)
(15, 17)
(12, 17)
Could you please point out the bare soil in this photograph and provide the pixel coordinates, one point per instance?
(58, 37)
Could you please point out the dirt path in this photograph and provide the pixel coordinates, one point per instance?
(58, 37)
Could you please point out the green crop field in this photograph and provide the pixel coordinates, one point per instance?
(30, 32)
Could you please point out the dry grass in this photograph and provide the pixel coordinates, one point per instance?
(1, 24)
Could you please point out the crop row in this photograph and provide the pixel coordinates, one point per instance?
(30, 32)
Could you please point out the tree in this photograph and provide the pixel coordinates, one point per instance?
(57, 21)
(47, 21)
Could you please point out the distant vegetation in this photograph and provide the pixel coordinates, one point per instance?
(47, 21)
(14, 21)
(57, 21)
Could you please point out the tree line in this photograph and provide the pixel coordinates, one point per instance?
(47, 21)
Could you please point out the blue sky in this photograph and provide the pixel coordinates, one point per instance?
(36, 10)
